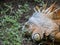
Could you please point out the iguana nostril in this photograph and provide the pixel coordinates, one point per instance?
(36, 37)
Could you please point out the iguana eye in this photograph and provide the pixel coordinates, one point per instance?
(26, 25)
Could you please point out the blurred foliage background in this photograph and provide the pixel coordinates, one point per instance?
(13, 14)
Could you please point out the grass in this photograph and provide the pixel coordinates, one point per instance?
(10, 27)
(11, 17)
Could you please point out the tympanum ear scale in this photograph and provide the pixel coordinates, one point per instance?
(36, 37)
(50, 9)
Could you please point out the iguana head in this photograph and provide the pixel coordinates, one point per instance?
(41, 22)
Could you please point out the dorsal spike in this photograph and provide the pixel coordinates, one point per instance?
(37, 8)
(55, 14)
(50, 9)
(44, 7)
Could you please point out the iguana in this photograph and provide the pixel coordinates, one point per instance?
(43, 22)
